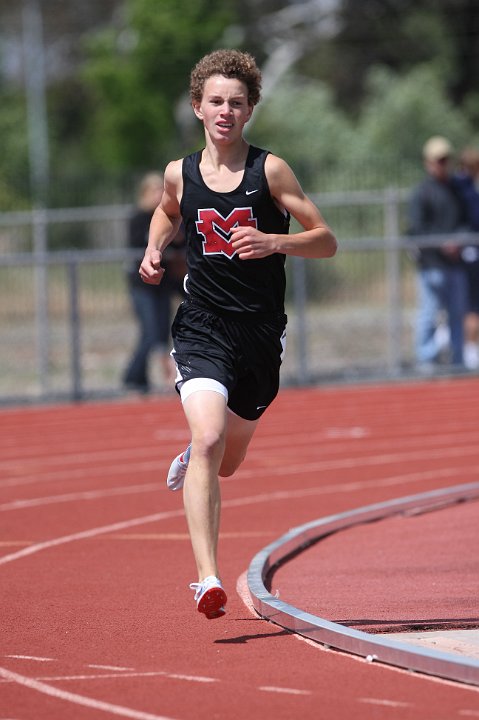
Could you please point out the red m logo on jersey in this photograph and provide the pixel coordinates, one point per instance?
(216, 229)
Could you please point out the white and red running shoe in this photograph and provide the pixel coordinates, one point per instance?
(210, 597)
(177, 471)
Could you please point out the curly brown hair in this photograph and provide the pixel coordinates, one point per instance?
(230, 64)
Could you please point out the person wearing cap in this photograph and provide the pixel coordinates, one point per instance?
(436, 209)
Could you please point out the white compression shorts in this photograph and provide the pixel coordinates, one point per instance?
(191, 386)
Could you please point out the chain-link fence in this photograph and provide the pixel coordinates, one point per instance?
(67, 328)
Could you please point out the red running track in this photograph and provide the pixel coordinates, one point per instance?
(97, 617)
(406, 573)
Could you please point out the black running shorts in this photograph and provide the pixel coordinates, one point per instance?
(243, 355)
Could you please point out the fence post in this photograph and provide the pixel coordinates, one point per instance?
(393, 275)
(40, 252)
(75, 355)
(299, 300)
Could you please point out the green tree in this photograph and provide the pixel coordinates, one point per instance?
(381, 146)
(399, 113)
(370, 81)
(14, 190)
(301, 123)
(137, 73)
(401, 34)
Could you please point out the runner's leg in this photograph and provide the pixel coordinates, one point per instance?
(205, 411)
(238, 436)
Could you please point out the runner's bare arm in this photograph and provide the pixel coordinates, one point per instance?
(164, 225)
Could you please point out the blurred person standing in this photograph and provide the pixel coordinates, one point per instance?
(467, 180)
(436, 207)
(151, 304)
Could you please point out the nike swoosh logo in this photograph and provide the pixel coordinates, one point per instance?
(250, 192)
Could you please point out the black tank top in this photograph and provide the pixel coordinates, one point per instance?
(216, 276)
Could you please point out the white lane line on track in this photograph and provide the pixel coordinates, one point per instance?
(355, 486)
(118, 526)
(63, 458)
(115, 527)
(444, 472)
(288, 691)
(185, 536)
(238, 502)
(371, 461)
(87, 472)
(70, 455)
(406, 456)
(111, 667)
(30, 657)
(77, 699)
(86, 534)
(81, 495)
(385, 703)
(123, 674)
(192, 678)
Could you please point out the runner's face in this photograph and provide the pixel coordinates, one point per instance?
(224, 108)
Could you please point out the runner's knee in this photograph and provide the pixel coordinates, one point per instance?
(208, 444)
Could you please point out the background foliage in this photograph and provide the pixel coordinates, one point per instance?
(362, 86)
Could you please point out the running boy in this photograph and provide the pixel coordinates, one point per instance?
(235, 201)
